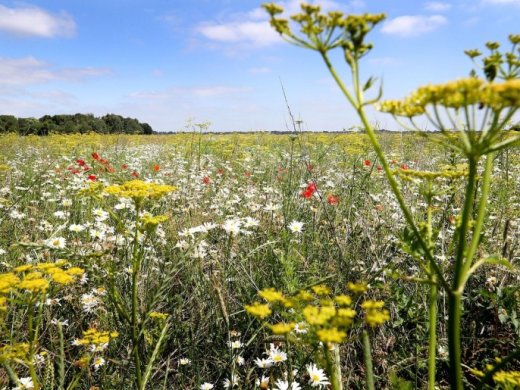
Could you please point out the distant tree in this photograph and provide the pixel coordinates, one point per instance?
(114, 123)
(147, 129)
(8, 124)
(28, 126)
(77, 123)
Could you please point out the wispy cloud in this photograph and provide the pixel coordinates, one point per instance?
(259, 70)
(31, 21)
(437, 6)
(253, 27)
(407, 26)
(253, 32)
(29, 70)
(197, 91)
(502, 2)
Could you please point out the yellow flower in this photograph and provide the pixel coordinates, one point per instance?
(507, 378)
(62, 277)
(331, 335)
(318, 315)
(23, 268)
(18, 351)
(343, 300)
(258, 310)
(271, 295)
(75, 271)
(139, 190)
(320, 289)
(157, 315)
(374, 313)
(34, 282)
(282, 327)
(7, 282)
(357, 288)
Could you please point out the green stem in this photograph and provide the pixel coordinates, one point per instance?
(333, 365)
(454, 317)
(384, 163)
(136, 264)
(481, 213)
(368, 361)
(432, 334)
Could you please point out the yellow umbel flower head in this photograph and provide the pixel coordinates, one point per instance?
(138, 190)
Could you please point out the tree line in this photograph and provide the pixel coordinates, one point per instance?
(69, 124)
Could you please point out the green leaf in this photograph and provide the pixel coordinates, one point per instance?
(369, 83)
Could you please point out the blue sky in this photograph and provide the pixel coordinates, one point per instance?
(166, 62)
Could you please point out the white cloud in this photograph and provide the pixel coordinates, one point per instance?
(253, 27)
(34, 21)
(502, 2)
(201, 91)
(29, 70)
(259, 70)
(413, 25)
(437, 6)
(256, 33)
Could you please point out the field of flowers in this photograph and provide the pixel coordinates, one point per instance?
(200, 261)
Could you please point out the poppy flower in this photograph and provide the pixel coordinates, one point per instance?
(206, 180)
(309, 191)
(95, 156)
(135, 174)
(367, 163)
(404, 167)
(124, 166)
(332, 200)
(156, 168)
(80, 162)
(379, 168)
(92, 178)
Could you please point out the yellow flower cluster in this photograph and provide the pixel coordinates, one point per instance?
(328, 317)
(95, 338)
(36, 278)
(158, 315)
(11, 352)
(375, 314)
(150, 222)
(457, 94)
(138, 190)
(508, 378)
(258, 310)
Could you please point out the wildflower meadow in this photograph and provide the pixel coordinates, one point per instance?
(356, 260)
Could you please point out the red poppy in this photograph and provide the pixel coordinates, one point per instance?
(309, 191)
(220, 171)
(379, 168)
(92, 178)
(393, 162)
(367, 163)
(95, 156)
(124, 166)
(333, 200)
(135, 174)
(404, 167)
(307, 194)
(379, 207)
(247, 174)
(156, 168)
(206, 180)
(80, 162)
(109, 169)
